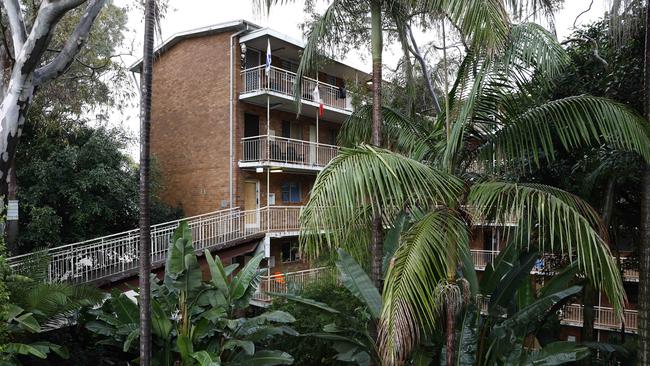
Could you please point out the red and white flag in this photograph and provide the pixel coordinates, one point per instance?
(317, 99)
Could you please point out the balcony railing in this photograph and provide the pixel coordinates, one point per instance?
(281, 150)
(117, 254)
(604, 318)
(482, 258)
(255, 80)
(293, 281)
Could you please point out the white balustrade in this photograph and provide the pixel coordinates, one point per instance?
(604, 317)
(282, 150)
(482, 258)
(255, 80)
(117, 254)
(292, 281)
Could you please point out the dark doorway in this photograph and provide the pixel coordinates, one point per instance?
(251, 125)
(251, 146)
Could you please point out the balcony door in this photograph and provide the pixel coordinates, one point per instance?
(253, 76)
(252, 147)
(252, 203)
(312, 147)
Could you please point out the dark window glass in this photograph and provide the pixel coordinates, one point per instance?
(290, 252)
(290, 192)
(286, 129)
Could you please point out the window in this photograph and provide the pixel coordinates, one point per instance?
(290, 252)
(292, 130)
(333, 134)
(290, 192)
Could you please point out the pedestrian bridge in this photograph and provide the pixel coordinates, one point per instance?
(114, 257)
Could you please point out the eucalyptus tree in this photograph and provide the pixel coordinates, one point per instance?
(24, 65)
(446, 171)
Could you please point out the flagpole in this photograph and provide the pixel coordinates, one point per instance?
(268, 126)
(317, 118)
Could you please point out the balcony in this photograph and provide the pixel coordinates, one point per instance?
(605, 318)
(279, 85)
(482, 258)
(282, 152)
(292, 282)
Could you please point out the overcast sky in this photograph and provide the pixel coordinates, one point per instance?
(189, 14)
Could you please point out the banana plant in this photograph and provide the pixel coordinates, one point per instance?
(194, 321)
(501, 326)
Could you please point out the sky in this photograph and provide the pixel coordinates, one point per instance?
(184, 15)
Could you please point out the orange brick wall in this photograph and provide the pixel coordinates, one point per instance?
(189, 132)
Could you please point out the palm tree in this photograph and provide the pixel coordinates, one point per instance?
(144, 264)
(498, 122)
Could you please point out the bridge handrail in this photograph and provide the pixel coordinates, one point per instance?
(154, 228)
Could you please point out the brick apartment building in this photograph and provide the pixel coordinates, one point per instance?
(226, 134)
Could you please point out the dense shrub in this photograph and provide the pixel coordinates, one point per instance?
(309, 350)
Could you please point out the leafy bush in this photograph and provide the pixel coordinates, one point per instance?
(310, 350)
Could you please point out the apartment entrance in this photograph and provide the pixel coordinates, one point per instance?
(252, 204)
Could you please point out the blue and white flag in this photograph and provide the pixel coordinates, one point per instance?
(267, 67)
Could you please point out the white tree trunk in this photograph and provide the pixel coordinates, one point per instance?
(26, 72)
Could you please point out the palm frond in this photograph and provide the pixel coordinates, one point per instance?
(532, 47)
(576, 121)
(417, 270)
(554, 220)
(363, 181)
(401, 134)
(483, 22)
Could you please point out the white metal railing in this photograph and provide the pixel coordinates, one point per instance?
(282, 81)
(604, 317)
(482, 258)
(292, 281)
(116, 254)
(274, 149)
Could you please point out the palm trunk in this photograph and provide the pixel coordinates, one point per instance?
(377, 48)
(145, 235)
(589, 295)
(450, 336)
(643, 352)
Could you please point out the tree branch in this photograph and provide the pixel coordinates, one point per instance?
(72, 46)
(16, 24)
(595, 48)
(413, 47)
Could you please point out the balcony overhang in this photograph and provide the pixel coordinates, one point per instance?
(290, 48)
(286, 103)
(280, 167)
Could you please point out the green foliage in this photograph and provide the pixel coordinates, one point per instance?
(31, 307)
(75, 180)
(4, 295)
(194, 321)
(348, 334)
(76, 183)
(502, 332)
(310, 318)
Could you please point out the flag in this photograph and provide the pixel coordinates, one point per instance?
(267, 67)
(321, 106)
